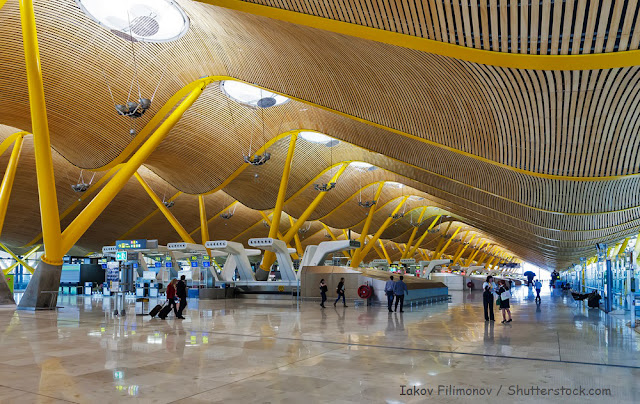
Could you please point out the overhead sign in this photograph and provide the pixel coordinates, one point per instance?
(121, 255)
(158, 265)
(380, 262)
(168, 264)
(131, 244)
(408, 261)
(206, 264)
(194, 264)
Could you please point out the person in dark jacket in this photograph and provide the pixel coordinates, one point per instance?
(487, 299)
(171, 297)
(400, 289)
(503, 292)
(181, 292)
(323, 292)
(340, 292)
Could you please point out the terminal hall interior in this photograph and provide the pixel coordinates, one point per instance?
(336, 201)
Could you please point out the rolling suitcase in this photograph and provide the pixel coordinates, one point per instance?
(165, 311)
(154, 312)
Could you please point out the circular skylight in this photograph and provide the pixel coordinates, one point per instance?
(251, 95)
(141, 20)
(361, 165)
(315, 137)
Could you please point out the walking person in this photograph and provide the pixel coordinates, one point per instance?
(504, 295)
(323, 292)
(388, 290)
(171, 298)
(399, 289)
(538, 286)
(340, 292)
(181, 292)
(487, 299)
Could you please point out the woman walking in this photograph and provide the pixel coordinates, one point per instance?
(504, 295)
(323, 292)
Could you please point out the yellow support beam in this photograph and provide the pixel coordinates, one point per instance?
(424, 235)
(25, 257)
(49, 216)
(7, 180)
(457, 257)
(91, 212)
(413, 234)
(384, 251)
(475, 252)
(282, 193)
(18, 259)
(623, 247)
(269, 259)
(204, 224)
(296, 238)
(358, 257)
(455, 254)
(439, 254)
(165, 211)
(11, 139)
(378, 251)
(279, 235)
(369, 219)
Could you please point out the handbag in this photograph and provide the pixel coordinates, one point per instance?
(498, 300)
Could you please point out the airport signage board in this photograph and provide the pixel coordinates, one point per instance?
(121, 255)
(131, 244)
(206, 264)
(158, 265)
(379, 261)
(408, 261)
(168, 264)
(194, 264)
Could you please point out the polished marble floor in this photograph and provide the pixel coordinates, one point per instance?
(251, 351)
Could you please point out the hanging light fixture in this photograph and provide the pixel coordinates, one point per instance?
(331, 185)
(81, 186)
(260, 159)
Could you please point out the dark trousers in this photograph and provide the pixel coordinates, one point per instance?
(340, 295)
(183, 304)
(324, 298)
(399, 299)
(389, 300)
(172, 302)
(487, 302)
(537, 293)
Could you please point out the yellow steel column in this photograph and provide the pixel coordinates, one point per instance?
(18, 259)
(296, 239)
(424, 235)
(204, 224)
(378, 251)
(49, 215)
(282, 193)
(369, 219)
(10, 140)
(24, 257)
(439, 254)
(623, 246)
(7, 180)
(280, 236)
(455, 254)
(384, 251)
(413, 235)
(91, 212)
(358, 257)
(457, 257)
(269, 259)
(475, 252)
(165, 211)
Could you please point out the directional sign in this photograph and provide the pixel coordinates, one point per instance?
(408, 261)
(131, 244)
(158, 265)
(121, 256)
(206, 264)
(168, 264)
(194, 264)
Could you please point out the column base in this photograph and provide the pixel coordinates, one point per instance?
(262, 275)
(46, 278)
(6, 296)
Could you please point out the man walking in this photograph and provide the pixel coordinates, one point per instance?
(181, 292)
(388, 290)
(399, 289)
(340, 292)
(538, 286)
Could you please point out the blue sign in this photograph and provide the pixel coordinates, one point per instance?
(194, 264)
(135, 265)
(104, 266)
(131, 244)
(206, 264)
(158, 265)
(168, 264)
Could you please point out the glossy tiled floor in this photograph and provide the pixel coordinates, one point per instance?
(248, 351)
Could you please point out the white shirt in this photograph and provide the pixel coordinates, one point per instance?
(484, 286)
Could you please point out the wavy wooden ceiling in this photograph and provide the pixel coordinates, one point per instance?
(484, 143)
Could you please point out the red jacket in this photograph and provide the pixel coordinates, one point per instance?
(171, 291)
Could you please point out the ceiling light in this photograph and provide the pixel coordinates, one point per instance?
(315, 137)
(251, 95)
(141, 20)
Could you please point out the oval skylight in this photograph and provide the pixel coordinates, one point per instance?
(141, 20)
(315, 137)
(361, 165)
(251, 95)
(394, 184)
